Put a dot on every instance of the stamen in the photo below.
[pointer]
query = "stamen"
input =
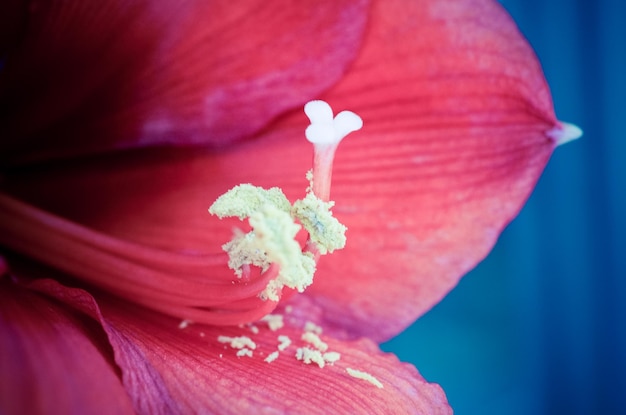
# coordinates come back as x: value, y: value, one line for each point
x: 326, y: 132
x: 274, y: 221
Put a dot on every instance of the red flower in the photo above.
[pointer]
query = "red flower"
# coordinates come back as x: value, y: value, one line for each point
x: 122, y: 122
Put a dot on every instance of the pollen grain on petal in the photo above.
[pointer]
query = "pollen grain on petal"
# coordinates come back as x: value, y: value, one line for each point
x: 274, y: 321
x: 239, y: 342
x: 312, y: 327
x: 358, y: 374
x: 271, y: 357
x: 244, y: 352
x: 315, y: 341
x: 310, y: 356
x: 285, y: 342
x: 331, y: 357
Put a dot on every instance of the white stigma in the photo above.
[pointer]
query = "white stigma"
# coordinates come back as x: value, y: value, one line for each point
x: 325, y: 129
x: 326, y: 132
x: 564, y: 133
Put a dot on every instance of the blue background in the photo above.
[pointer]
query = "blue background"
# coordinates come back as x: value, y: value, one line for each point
x: 540, y: 326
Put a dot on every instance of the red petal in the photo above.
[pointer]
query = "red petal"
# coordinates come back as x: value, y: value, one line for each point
x: 172, y: 370
x: 53, y: 360
x: 453, y: 143
x: 84, y: 79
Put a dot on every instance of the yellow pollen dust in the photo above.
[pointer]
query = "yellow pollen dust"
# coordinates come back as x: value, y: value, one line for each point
x: 285, y: 342
x: 324, y: 229
x: 272, y: 239
x: 274, y: 321
x: 315, y: 341
x: 271, y: 357
x: 239, y: 342
x: 358, y: 374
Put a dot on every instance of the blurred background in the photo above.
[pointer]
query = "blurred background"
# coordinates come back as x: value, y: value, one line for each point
x: 540, y: 326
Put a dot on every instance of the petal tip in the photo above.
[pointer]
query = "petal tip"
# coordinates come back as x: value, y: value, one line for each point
x: 564, y: 133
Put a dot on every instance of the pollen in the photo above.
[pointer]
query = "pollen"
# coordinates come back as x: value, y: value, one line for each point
x: 312, y: 327
x: 275, y: 231
x: 358, y: 374
x: 323, y: 228
x: 239, y: 342
x: 331, y: 357
x: 314, y: 340
x: 243, y: 250
x: 285, y: 342
x: 272, y: 240
x: 244, y: 352
x: 271, y: 357
x: 309, y: 356
x: 243, y: 200
x: 274, y: 321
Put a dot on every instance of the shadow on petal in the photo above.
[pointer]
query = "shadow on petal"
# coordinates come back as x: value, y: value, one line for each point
x: 54, y: 358
x: 86, y: 79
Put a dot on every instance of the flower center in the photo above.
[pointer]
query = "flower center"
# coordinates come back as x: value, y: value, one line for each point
x: 275, y: 222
